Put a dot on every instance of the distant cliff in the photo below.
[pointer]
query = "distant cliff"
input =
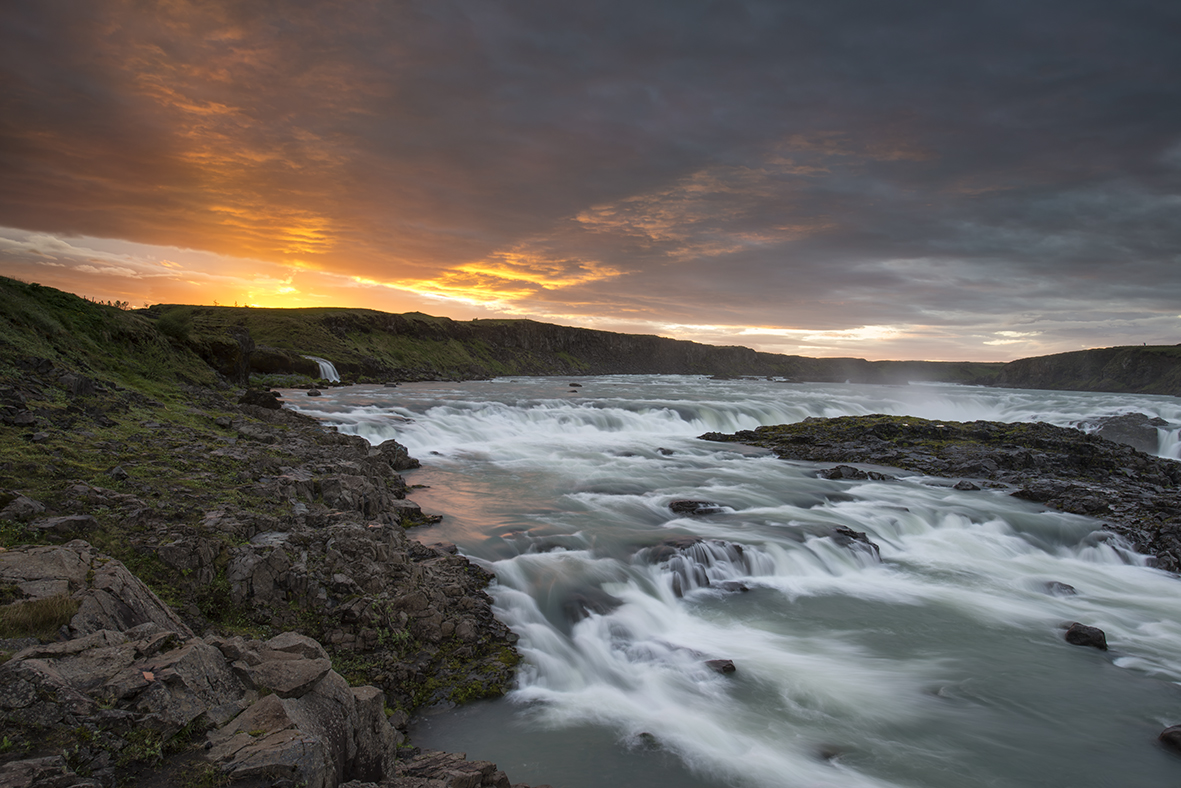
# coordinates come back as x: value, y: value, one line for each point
x: 367, y: 345
x: 1134, y: 369
x: 370, y: 346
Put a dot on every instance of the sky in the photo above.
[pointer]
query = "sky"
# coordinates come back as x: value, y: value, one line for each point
x: 953, y: 181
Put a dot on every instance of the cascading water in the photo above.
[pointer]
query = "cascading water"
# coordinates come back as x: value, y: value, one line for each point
x: 932, y: 657
x: 327, y: 369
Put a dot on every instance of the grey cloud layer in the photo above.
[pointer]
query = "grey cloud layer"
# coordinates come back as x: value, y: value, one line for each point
x: 832, y: 164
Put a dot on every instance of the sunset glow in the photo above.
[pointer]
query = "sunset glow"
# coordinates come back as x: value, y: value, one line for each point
x: 893, y: 184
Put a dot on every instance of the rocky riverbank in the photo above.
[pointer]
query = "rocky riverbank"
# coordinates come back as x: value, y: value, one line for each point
x: 1135, y: 495
x: 284, y: 544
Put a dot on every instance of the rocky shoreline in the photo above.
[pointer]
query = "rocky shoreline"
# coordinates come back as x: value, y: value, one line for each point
x: 281, y: 542
x: 1135, y: 494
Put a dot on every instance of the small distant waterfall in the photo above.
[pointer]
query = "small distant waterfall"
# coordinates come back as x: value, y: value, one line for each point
x: 1170, y: 442
x: 327, y: 370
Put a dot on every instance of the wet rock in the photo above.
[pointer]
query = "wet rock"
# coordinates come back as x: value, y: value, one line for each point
x: 1171, y: 737
x: 1054, y: 588
x: 665, y: 452
x: 314, y: 393
x: 721, y: 665
x: 849, y: 472
x: 695, y: 508
x: 670, y: 547
x: 731, y: 586
x: 1137, y: 495
x: 1138, y: 430
x: 395, y: 455
x: 847, y: 537
x: 1083, y: 635
x: 965, y: 485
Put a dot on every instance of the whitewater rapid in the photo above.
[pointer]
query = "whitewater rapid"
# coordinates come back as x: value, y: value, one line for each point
x: 937, y: 660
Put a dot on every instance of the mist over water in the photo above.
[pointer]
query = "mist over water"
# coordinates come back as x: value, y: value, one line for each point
x: 940, y: 662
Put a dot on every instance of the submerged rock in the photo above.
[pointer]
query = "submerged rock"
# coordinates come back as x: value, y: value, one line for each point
x: 721, y: 665
x: 584, y: 603
x: 1171, y: 737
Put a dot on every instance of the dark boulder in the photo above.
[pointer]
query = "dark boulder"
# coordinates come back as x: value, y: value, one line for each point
x: 721, y: 665
x: 1082, y: 635
x: 1137, y: 430
x: 262, y: 399
x: 394, y: 453
x: 965, y: 485
x: 670, y: 547
x: 314, y: 392
x: 849, y: 472
x: 695, y: 508
x: 1054, y: 588
x: 1171, y: 737
x: 847, y: 537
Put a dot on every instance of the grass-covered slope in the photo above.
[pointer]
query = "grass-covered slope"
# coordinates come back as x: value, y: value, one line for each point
x: 369, y: 345
x: 103, y: 342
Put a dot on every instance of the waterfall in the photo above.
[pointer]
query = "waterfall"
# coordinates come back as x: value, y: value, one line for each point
x: 327, y: 370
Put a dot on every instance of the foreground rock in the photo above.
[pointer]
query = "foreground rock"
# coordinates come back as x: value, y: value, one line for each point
x: 1136, y: 494
x: 250, y: 520
x: 129, y: 685
x: 299, y: 529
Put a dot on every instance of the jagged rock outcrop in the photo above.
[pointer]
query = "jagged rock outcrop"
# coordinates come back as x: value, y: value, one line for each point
x: 132, y: 684
x: 109, y: 596
x: 323, y: 549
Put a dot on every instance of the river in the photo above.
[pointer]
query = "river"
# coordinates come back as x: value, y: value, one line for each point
x: 939, y: 663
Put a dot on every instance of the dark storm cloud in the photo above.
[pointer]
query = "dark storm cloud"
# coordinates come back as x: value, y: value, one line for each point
x: 800, y: 165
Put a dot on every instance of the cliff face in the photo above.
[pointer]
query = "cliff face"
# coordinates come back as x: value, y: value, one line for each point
x: 1143, y: 370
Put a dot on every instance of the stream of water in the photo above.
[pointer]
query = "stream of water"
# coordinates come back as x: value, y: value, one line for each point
x: 939, y: 663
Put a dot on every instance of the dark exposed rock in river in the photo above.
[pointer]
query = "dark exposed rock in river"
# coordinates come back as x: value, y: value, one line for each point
x: 1135, y: 494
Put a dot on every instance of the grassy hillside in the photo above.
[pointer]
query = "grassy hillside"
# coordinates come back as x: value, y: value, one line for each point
x: 369, y: 345
x: 97, y: 340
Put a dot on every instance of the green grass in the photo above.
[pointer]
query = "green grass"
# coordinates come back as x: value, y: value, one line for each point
x: 97, y: 340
